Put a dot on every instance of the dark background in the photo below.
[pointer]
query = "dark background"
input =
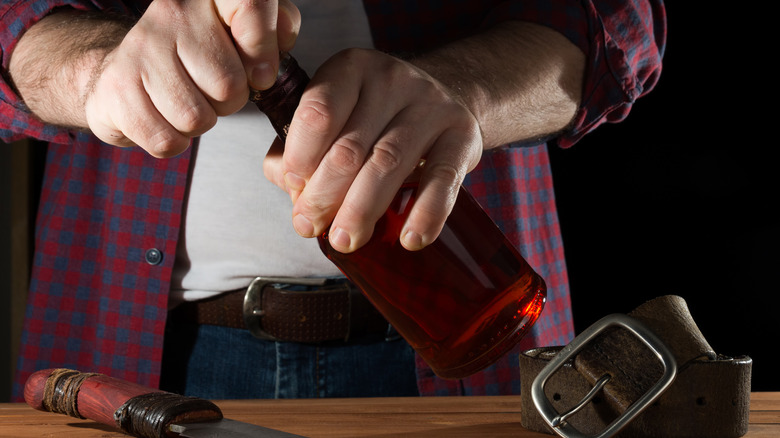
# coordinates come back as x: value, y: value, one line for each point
x: 681, y: 198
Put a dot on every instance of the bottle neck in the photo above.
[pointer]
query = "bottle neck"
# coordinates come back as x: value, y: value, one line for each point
x: 280, y: 101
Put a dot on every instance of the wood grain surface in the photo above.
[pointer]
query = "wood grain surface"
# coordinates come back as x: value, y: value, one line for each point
x: 450, y: 417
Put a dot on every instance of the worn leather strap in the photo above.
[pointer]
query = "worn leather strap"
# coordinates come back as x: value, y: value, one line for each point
x: 337, y: 311
x: 710, y: 396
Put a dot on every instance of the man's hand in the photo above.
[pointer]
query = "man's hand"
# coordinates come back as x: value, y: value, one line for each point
x: 367, y: 119
x: 179, y: 67
x: 363, y: 125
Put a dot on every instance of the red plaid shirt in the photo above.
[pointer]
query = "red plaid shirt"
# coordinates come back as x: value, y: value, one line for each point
x: 109, y: 217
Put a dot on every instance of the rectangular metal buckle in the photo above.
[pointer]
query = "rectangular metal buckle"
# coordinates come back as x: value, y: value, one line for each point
x: 558, y: 421
x: 253, y: 305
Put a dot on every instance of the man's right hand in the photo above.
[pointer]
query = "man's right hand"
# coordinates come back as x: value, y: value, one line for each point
x: 179, y: 67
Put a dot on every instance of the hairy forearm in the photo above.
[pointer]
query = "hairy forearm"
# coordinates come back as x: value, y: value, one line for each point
x: 55, y: 61
x: 520, y: 80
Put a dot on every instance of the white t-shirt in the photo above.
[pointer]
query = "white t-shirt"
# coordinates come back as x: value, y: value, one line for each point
x: 237, y: 225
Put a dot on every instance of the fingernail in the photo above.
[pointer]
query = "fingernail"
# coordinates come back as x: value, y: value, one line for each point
x: 294, y: 185
x: 412, y: 241
x: 293, y: 181
x: 303, y: 226
x: 263, y: 76
x: 339, y: 238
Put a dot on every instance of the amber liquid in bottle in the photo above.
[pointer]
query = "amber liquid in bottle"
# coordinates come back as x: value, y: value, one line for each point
x: 463, y: 301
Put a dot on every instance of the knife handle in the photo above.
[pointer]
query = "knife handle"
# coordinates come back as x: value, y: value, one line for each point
x: 135, y: 409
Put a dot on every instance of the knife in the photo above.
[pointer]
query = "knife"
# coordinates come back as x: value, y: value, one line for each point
x: 134, y: 409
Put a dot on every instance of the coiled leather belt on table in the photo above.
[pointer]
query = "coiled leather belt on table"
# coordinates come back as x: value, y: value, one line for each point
x: 649, y: 373
x: 306, y: 310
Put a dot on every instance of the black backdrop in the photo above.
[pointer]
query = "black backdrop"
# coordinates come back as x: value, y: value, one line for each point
x: 681, y: 197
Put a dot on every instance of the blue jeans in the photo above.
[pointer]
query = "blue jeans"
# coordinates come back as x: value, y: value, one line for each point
x: 226, y: 363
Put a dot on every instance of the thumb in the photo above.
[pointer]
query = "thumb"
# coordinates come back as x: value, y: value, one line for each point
x: 260, y: 29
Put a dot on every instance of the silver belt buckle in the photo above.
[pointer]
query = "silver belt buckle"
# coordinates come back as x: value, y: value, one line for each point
x: 253, y: 305
x: 557, y: 421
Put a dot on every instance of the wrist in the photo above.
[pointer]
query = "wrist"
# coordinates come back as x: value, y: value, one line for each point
x: 58, y: 59
x: 521, y: 81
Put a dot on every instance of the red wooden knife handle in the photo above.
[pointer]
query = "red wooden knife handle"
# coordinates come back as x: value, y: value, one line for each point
x: 132, y: 408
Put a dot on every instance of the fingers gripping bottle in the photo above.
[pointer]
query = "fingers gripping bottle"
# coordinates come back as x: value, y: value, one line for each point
x: 463, y: 301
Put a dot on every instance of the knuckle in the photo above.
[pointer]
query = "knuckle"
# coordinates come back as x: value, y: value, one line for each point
x: 253, y: 6
x: 113, y: 137
x: 346, y: 155
x: 386, y: 156
x: 227, y: 86
x: 314, y: 115
x: 315, y: 207
x: 395, y: 74
x: 196, y: 119
x: 445, y: 173
x: 165, y: 145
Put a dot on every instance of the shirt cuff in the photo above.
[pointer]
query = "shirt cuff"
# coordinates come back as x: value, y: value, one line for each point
x: 623, y: 42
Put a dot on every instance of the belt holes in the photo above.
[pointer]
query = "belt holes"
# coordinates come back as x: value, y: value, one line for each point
x: 338, y: 316
x: 301, y: 317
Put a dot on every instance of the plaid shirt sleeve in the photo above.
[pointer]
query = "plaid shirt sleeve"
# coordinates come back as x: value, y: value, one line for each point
x: 625, y: 44
x: 623, y: 41
x: 16, y: 16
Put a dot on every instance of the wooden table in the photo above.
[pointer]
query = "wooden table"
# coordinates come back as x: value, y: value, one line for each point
x: 449, y: 417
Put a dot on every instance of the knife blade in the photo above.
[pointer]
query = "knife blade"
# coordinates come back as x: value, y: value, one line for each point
x: 134, y: 409
x: 226, y: 428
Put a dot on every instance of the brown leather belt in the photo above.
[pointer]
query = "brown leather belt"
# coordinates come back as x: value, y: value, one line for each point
x: 285, y: 309
x: 653, y: 362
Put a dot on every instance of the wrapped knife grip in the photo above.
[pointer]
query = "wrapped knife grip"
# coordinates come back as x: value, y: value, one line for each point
x: 134, y: 409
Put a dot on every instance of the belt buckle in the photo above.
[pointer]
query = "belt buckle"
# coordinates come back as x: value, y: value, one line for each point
x: 253, y: 309
x: 558, y: 422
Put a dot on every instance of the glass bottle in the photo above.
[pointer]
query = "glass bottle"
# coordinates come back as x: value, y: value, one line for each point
x: 463, y: 301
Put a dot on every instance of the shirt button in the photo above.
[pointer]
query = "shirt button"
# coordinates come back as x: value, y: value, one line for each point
x: 153, y: 256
